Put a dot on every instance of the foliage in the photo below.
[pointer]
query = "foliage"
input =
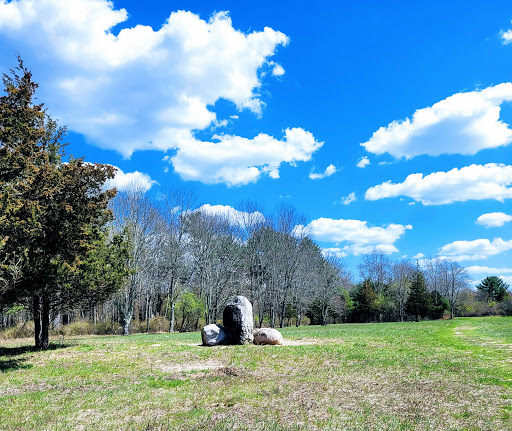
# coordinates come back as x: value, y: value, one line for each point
x: 418, y: 303
x: 53, y: 214
x: 494, y: 288
x: 438, y: 305
x: 189, y: 310
x: 366, y: 302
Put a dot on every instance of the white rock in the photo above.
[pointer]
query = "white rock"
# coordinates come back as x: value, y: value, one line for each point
x: 213, y: 335
x: 268, y: 336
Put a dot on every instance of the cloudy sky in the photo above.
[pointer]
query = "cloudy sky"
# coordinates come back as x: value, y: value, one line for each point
x: 386, y: 123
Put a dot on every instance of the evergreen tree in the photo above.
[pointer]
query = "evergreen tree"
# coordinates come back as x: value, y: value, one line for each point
x: 418, y: 303
x: 494, y: 288
x: 53, y: 215
x: 438, y: 304
x: 366, y: 302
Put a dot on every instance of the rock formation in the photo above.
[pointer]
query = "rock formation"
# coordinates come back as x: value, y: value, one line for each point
x: 268, y: 336
x: 213, y: 335
x: 238, y: 321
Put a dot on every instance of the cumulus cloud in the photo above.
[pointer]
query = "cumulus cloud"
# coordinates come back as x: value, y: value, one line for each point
x: 355, y: 236
x: 235, y: 217
x: 125, y: 181
x: 464, y: 123
x: 347, y: 200
x: 363, y: 162
x: 496, y: 219
x: 474, y: 182
x: 329, y: 170
x: 140, y: 88
x: 474, y: 250
x: 236, y: 161
x: 419, y: 256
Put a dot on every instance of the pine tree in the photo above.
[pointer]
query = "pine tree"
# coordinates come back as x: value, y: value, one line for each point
x: 418, y: 303
x: 53, y: 215
x: 494, y: 288
x: 365, y: 302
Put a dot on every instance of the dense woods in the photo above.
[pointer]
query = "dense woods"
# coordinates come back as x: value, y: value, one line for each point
x: 71, y: 250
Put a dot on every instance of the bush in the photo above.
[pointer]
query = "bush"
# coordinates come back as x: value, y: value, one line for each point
x: 108, y: 329
x: 80, y: 327
x: 157, y: 324
x: 21, y: 330
x: 505, y: 306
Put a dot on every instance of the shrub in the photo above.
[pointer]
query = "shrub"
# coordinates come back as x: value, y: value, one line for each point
x: 21, y: 330
x: 79, y: 327
x: 108, y: 329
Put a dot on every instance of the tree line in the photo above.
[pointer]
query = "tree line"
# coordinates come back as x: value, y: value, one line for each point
x: 73, y: 249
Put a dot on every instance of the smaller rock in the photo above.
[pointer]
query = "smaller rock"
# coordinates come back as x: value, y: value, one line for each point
x: 213, y: 335
x: 268, y: 336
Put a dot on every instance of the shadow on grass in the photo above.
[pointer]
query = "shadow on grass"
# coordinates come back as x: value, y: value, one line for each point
x: 11, y: 358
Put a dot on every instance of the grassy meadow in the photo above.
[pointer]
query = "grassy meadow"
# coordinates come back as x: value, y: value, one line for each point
x: 443, y: 375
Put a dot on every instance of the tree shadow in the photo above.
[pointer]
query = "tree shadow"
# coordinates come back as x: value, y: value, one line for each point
x: 12, y: 358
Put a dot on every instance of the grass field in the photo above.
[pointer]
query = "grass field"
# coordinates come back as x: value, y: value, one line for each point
x: 445, y: 375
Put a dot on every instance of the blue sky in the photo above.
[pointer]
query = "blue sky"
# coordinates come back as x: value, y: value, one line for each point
x: 387, y: 124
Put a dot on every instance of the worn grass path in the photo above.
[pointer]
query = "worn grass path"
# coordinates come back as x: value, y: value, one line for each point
x: 440, y: 375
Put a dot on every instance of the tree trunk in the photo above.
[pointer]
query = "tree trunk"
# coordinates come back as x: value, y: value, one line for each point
x: 148, y: 311
x: 171, y: 304
x: 171, y: 317
x: 36, y: 307
x: 283, y: 312
x: 125, y: 321
x: 45, y: 324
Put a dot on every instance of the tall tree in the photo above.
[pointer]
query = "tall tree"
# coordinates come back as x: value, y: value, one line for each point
x: 453, y: 279
x: 178, y: 204
x: 137, y: 216
x: 418, y: 302
x: 53, y: 215
x: 376, y: 267
x: 402, y: 273
x: 494, y: 288
x: 365, y: 302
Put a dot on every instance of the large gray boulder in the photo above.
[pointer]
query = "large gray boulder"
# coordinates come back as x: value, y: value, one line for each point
x: 213, y: 335
x: 238, y: 321
x: 268, y: 336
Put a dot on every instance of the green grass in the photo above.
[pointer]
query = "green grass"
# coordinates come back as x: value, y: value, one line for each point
x: 445, y: 375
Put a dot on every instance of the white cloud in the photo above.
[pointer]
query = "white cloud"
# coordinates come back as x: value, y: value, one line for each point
x: 329, y: 170
x: 506, y: 36
x: 474, y: 250
x: 419, y: 256
x: 464, y: 123
x: 496, y: 219
x: 124, y: 181
x: 278, y: 70
x: 347, y: 200
x: 235, y: 217
x: 474, y: 182
x: 507, y: 279
x: 140, y: 88
x: 487, y: 270
x: 236, y: 161
x: 363, y: 162
x: 358, y: 236
x: 334, y: 251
